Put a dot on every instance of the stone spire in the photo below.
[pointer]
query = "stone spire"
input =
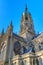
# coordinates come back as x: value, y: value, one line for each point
x: 26, y: 9
x: 26, y: 24
x: 10, y: 28
x: 2, y: 33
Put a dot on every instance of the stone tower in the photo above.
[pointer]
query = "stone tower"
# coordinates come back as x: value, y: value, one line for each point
x: 27, y: 27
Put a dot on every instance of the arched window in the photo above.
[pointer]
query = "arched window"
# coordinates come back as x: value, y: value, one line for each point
x: 40, y: 61
x: 34, y: 61
x: 37, y: 62
x: 23, y: 63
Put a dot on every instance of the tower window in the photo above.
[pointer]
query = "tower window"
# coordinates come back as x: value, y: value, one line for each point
x: 26, y: 18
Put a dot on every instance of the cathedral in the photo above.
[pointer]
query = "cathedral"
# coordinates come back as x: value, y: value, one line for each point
x: 26, y: 48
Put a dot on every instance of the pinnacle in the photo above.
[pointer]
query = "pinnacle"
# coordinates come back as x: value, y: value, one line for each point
x: 11, y: 23
x: 2, y: 31
x: 26, y: 8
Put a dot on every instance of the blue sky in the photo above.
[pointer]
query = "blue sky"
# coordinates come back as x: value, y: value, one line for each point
x: 13, y: 9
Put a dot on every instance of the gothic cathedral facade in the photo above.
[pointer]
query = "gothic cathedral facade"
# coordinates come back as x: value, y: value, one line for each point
x: 23, y: 49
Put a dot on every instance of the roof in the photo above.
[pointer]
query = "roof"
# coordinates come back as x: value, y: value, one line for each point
x: 19, y: 38
x: 38, y: 38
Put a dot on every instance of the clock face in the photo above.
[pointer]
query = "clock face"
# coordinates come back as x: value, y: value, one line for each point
x: 17, y: 47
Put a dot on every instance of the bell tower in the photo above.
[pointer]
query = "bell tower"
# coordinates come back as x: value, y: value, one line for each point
x: 27, y: 27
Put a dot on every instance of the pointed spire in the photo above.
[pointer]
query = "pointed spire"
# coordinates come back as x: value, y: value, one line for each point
x: 26, y: 9
x: 2, y: 32
x: 11, y: 24
x: 10, y: 28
